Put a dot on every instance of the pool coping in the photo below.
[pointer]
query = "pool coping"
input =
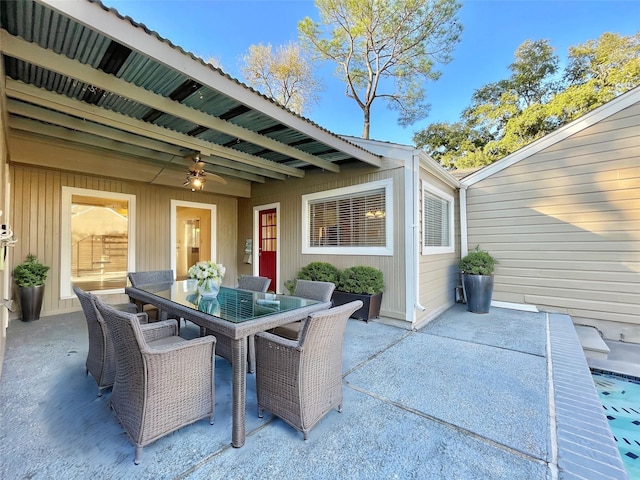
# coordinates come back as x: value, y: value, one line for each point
x: 583, y: 446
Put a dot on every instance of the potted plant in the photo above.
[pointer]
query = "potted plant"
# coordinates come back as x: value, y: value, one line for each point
x: 317, y: 272
x: 29, y: 277
x: 477, y: 279
x: 360, y: 283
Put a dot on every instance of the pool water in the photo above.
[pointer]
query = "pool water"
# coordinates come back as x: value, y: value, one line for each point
x: 620, y: 397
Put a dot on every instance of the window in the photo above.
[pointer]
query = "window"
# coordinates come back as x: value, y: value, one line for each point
x: 437, y: 221
x: 349, y: 221
x: 97, y: 244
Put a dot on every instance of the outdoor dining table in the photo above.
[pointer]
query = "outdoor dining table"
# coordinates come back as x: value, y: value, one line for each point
x: 234, y: 313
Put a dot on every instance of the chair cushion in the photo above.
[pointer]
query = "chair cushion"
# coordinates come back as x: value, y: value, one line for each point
x: 290, y: 330
x: 166, y: 341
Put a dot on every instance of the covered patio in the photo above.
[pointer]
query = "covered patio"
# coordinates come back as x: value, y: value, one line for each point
x: 504, y: 395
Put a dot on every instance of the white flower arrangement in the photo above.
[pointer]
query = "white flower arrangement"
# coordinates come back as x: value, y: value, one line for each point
x: 206, y: 270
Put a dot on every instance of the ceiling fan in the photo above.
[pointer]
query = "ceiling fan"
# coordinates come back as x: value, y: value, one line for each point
x: 196, y: 176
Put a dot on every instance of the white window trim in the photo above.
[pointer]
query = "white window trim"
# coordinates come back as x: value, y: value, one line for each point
x: 65, y: 236
x: 387, y: 250
x: 426, y: 250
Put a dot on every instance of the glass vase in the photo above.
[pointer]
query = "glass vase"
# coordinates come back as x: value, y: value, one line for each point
x: 209, y: 288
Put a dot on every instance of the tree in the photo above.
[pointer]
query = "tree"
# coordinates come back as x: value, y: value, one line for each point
x: 284, y: 75
x: 385, y: 49
x: 507, y: 115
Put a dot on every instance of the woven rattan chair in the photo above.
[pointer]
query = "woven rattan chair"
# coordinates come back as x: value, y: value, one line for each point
x: 101, y: 360
x: 254, y: 283
x: 152, y: 277
x: 301, y: 381
x: 163, y: 382
x: 223, y: 347
x: 313, y: 290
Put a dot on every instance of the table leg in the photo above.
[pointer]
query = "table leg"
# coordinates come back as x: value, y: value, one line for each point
x: 239, y: 390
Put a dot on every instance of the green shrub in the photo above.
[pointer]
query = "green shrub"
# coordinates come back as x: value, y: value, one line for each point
x: 290, y: 285
x: 30, y: 273
x: 319, y: 272
x: 362, y: 280
x: 477, y: 262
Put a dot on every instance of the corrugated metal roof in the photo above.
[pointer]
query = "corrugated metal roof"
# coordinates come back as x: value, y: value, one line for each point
x: 37, y: 23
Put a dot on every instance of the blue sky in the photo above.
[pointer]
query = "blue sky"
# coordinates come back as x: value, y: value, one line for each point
x: 493, y: 30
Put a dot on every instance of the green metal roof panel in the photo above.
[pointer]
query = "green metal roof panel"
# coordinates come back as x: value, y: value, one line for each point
x: 37, y: 23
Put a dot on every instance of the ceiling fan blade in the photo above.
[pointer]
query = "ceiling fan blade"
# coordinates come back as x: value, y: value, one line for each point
x: 215, y: 178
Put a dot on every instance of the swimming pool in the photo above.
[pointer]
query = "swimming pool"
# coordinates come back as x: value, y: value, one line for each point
x: 620, y: 397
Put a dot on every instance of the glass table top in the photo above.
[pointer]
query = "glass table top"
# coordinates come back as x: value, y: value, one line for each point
x: 231, y: 304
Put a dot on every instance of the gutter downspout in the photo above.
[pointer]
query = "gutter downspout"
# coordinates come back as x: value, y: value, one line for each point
x: 416, y: 222
x: 464, y: 243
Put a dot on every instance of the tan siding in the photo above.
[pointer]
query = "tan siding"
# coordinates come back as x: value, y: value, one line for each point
x: 438, y: 274
x: 289, y: 194
x: 565, y: 223
x: 36, y: 196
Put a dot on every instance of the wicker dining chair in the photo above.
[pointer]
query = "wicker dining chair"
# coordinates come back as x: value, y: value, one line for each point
x: 152, y: 277
x: 301, y: 381
x: 101, y: 360
x: 254, y: 283
x: 313, y: 290
x: 163, y: 382
x: 223, y: 349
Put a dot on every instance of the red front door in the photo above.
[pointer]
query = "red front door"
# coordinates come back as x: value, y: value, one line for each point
x: 267, y: 245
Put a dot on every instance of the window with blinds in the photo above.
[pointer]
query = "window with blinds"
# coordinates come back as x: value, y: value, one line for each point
x: 352, y: 220
x: 437, y: 221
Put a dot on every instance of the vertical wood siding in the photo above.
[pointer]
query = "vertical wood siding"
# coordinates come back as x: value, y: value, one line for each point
x: 36, y: 197
x: 4, y: 219
x: 438, y: 274
x: 565, y: 223
x: 289, y: 194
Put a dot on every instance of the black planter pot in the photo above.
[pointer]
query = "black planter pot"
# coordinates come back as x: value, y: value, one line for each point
x: 31, y: 302
x: 478, y: 290
x: 370, y: 304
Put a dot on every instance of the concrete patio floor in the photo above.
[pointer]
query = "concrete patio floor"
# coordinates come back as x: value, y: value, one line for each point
x: 467, y: 397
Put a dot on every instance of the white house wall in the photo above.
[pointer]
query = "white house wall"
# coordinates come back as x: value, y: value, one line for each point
x: 564, y: 224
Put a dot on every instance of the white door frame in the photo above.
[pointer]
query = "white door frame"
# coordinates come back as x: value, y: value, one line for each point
x: 256, y: 237
x: 174, y: 209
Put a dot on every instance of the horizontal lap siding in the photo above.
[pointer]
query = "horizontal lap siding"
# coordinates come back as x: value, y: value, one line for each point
x: 36, y: 201
x: 289, y: 195
x: 565, y: 223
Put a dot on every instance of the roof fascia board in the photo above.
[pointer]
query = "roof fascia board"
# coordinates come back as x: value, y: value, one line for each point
x: 405, y: 153
x: 587, y: 120
x: 434, y: 168
x: 96, y: 17
x: 38, y: 96
x: 32, y: 53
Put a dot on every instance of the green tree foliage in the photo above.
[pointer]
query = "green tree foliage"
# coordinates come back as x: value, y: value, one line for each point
x: 385, y: 49
x: 535, y: 100
x: 286, y: 75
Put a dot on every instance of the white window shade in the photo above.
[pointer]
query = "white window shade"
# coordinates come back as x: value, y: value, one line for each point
x: 437, y: 221
x: 352, y: 220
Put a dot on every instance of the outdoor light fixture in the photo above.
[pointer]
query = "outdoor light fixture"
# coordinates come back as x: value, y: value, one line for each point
x: 196, y: 181
x: 195, y: 177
